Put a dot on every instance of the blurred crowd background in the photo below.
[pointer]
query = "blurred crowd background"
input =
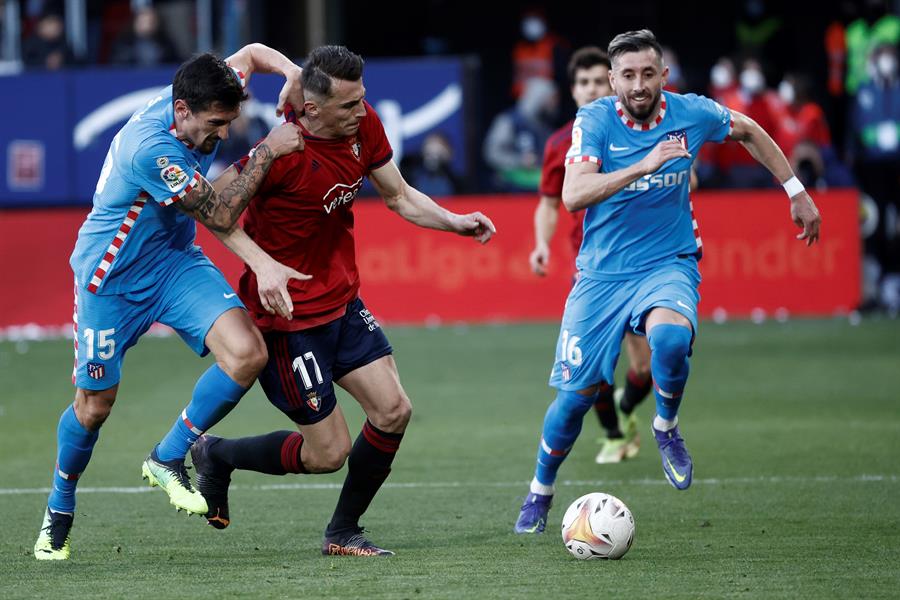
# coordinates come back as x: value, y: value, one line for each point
x: 821, y: 77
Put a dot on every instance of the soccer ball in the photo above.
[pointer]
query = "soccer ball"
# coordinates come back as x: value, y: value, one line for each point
x: 598, y: 525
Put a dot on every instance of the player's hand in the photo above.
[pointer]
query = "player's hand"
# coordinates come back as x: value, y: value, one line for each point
x: 805, y: 214
x: 661, y: 154
x: 272, y: 283
x: 284, y: 139
x: 539, y: 258
x: 474, y: 225
x: 291, y: 92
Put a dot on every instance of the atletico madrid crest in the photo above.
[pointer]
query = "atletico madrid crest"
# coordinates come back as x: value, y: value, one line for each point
x: 96, y: 370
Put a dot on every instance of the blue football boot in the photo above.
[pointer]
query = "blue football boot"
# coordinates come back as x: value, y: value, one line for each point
x: 676, y: 461
x: 533, y: 516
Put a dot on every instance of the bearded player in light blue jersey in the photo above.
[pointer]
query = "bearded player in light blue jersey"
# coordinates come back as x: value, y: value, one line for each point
x: 629, y: 165
x: 135, y: 263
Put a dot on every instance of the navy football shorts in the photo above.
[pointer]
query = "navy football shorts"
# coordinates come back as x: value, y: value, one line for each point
x: 303, y: 365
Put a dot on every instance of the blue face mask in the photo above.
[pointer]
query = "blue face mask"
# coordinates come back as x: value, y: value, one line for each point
x: 533, y: 28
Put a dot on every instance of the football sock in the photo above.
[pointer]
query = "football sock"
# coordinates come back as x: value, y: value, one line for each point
x: 368, y: 466
x: 661, y: 424
x: 562, y: 424
x: 74, y: 447
x: 276, y: 453
x: 637, y: 388
x: 606, y: 412
x: 537, y: 487
x: 670, y: 346
x: 214, y: 396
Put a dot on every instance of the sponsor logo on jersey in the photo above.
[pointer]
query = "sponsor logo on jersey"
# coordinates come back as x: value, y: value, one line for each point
x: 96, y: 370
x: 575, y: 148
x: 312, y: 400
x: 657, y: 181
x: 679, y: 136
x: 162, y: 162
x: 340, y: 194
x: 174, y: 177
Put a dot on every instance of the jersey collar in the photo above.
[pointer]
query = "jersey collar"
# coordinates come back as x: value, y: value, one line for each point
x: 643, y: 126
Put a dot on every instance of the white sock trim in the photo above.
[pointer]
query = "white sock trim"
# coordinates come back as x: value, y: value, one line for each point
x: 539, y: 488
x: 661, y: 424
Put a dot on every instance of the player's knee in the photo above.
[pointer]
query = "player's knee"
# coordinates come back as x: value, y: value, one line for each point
x: 247, y: 358
x: 333, y: 458
x: 393, y: 416
x: 92, y: 407
x: 670, y: 344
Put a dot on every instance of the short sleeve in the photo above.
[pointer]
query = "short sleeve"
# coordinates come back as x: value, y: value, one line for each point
x: 377, y: 140
x: 161, y: 170
x: 553, y: 171
x: 241, y: 77
x: 717, y: 119
x: 587, y: 138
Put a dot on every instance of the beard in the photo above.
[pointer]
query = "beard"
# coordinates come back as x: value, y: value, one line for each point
x: 641, y: 113
x: 208, y: 145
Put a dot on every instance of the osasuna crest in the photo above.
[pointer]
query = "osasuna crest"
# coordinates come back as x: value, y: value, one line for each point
x: 356, y: 147
x: 312, y: 400
x: 679, y: 136
x: 96, y: 370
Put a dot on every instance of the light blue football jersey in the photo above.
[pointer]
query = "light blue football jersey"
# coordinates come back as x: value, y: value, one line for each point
x: 650, y: 221
x: 133, y: 231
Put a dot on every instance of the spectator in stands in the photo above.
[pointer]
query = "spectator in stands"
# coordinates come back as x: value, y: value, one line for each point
x: 515, y: 140
x: 145, y: 44
x: 431, y: 171
x: 539, y: 54
x: 875, y: 26
x: 722, y: 79
x: 46, y: 48
x: 754, y: 99
x: 875, y: 124
x: 675, y: 82
x: 806, y: 138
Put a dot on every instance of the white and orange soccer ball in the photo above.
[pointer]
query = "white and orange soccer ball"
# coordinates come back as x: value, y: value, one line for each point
x: 598, y: 525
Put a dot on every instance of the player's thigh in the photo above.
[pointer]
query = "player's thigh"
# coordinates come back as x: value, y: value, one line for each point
x: 590, y: 335
x: 192, y: 298
x: 326, y: 443
x: 638, y: 351
x: 672, y: 288
x: 298, y: 375
x: 366, y: 369
x: 237, y: 345
x: 105, y: 327
x: 376, y: 386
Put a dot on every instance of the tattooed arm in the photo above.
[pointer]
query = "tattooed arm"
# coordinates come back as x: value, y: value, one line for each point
x: 220, y: 209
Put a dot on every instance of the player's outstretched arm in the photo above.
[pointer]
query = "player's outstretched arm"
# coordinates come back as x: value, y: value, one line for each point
x: 584, y: 186
x: 546, y: 216
x: 220, y: 209
x: 419, y: 209
x: 257, y: 58
x: 763, y: 148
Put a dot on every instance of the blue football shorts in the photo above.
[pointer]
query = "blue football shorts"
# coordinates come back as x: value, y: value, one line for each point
x: 188, y: 297
x: 599, y: 312
x: 303, y: 365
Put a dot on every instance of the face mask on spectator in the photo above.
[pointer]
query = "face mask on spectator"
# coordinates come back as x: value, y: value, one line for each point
x: 886, y: 64
x: 786, y: 92
x: 533, y: 28
x: 720, y: 76
x: 752, y: 81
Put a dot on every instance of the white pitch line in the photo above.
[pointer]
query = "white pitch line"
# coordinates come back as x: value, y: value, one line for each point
x: 491, y: 484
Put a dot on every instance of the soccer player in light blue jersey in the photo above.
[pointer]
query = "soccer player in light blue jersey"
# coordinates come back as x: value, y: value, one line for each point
x: 135, y: 263
x: 629, y: 166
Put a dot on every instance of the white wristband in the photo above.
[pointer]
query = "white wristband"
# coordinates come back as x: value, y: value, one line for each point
x: 793, y: 187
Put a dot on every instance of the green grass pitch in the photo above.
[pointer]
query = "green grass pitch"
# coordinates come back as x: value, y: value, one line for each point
x: 794, y: 429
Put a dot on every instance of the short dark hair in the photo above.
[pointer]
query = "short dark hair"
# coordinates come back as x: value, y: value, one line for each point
x: 205, y: 80
x: 633, y: 41
x: 327, y: 62
x: 585, y: 58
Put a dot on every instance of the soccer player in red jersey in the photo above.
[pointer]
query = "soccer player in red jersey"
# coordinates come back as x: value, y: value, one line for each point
x: 318, y: 331
x: 589, y: 76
